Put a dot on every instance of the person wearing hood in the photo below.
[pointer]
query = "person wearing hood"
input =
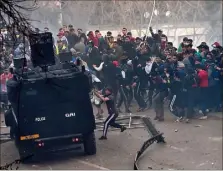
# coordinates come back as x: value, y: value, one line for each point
x: 203, y: 90
x: 92, y: 38
x: 3, y: 80
x: 102, y: 43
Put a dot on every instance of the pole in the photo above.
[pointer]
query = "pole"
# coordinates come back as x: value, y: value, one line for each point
x: 61, y: 14
x: 154, y: 4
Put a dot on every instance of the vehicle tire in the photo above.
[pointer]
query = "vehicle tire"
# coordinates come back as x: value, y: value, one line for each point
x: 90, y: 144
x: 22, y: 153
x: 27, y: 157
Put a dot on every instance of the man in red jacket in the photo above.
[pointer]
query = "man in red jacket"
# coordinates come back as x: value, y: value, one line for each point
x: 93, y: 38
x: 203, y: 92
x: 3, y: 79
x: 3, y: 88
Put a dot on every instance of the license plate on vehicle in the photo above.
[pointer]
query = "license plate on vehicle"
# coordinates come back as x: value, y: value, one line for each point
x: 29, y: 137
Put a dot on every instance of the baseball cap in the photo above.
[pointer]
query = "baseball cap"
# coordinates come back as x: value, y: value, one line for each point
x: 216, y: 45
x: 202, y: 45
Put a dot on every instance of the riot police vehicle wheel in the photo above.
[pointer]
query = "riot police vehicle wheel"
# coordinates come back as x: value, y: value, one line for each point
x: 23, y: 154
x: 90, y: 144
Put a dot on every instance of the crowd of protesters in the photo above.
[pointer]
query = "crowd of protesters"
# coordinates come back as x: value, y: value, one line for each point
x: 148, y: 69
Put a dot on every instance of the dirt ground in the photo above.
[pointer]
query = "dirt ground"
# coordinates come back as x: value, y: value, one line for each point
x: 195, y: 145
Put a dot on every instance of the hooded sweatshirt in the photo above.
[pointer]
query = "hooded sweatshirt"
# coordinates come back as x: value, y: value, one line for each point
x: 94, y: 39
x: 203, y: 77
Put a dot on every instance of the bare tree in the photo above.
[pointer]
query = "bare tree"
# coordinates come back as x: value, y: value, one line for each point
x: 14, y: 15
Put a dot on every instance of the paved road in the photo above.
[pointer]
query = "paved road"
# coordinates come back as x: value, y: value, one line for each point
x: 196, y: 145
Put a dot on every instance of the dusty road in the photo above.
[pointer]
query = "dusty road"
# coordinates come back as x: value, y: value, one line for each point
x: 196, y: 145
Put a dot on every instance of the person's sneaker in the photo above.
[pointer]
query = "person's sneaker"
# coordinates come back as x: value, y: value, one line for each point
x: 123, y: 129
x: 200, y: 112
x: 103, y: 138
x: 160, y: 119
x: 99, y: 116
x: 144, y: 109
x: 156, y: 118
x: 217, y: 109
x: 128, y: 111
x: 179, y: 119
x: 119, y: 111
x: 187, y: 120
x: 203, y: 118
x: 150, y: 106
x: 139, y: 109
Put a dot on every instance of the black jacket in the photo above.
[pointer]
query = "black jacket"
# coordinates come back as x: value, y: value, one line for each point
x: 129, y: 50
x: 72, y: 40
